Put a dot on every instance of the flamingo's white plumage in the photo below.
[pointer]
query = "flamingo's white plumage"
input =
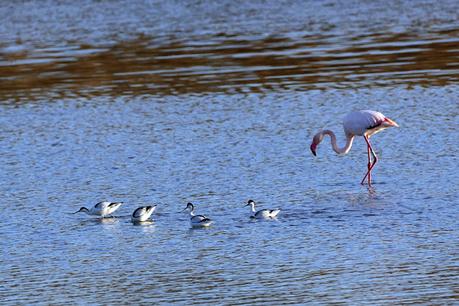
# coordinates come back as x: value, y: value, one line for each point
x: 361, y: 123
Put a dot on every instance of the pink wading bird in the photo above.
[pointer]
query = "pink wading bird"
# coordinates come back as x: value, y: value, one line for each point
x: 362, y: 123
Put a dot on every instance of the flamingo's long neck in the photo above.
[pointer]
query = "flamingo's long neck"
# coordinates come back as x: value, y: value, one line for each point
x: 347, y: 147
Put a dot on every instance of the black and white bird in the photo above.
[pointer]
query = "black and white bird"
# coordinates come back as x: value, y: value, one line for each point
x: 197, y: 220
x: 142, y: 213
x: 101, y: 209
x: 263, y: 213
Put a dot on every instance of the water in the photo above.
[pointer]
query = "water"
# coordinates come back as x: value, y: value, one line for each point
x: 168, y: 102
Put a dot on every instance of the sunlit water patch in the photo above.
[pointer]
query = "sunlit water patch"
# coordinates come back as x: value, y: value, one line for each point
x: 120, y: 48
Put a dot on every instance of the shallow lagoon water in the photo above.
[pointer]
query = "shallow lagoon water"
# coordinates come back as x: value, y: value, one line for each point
x: 335, y: 241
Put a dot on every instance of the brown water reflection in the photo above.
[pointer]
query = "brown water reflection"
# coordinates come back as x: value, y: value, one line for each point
x: 228, y: 64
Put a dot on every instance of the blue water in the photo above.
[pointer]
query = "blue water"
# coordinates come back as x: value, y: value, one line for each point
x: 334, y: 242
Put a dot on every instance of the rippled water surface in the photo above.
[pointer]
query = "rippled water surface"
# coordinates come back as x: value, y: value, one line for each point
x: 167, y: 102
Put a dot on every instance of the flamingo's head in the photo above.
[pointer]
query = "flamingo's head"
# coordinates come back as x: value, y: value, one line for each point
x: 315, y: 142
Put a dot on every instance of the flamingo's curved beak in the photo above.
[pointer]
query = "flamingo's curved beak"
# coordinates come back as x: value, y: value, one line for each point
x: 313, y: 149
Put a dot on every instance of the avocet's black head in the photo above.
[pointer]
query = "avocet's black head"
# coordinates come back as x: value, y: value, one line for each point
x: 189, y: 206
x: 82, y: 209
x: 250, y: 202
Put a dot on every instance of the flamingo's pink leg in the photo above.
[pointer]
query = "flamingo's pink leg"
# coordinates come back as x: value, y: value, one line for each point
x: 370, y: 166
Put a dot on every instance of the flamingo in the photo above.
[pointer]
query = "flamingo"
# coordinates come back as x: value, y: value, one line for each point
x: 364, y: 123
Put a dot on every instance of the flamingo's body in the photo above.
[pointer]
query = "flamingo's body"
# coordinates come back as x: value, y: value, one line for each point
x: 101, y: 209
x: 361, y: 123
x: 143, y: 213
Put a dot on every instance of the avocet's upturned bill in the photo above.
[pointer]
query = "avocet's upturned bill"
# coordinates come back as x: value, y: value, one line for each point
x: 101, y: 209
x: 197, y: 220
x: 263, y: 213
